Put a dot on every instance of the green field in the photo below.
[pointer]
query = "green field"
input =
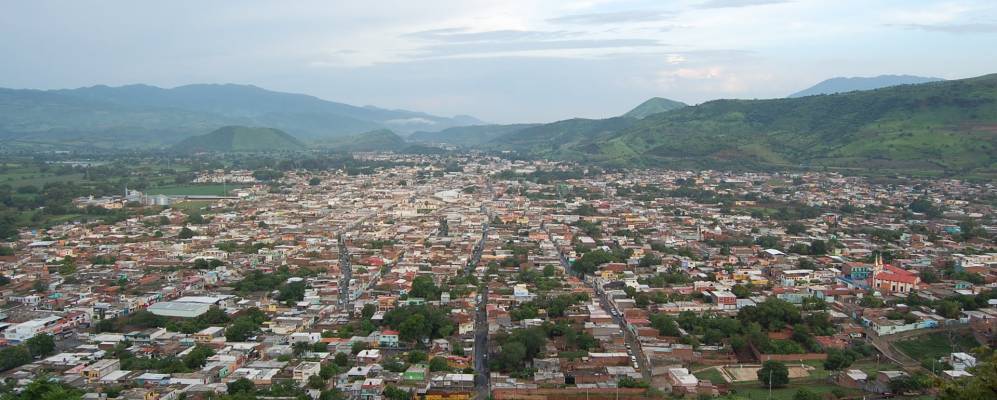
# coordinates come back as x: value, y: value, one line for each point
x: 212, y: 189
x: 191, y: 206
x: 711, y: 375
x: 936, y: 345
x: 756, y: 391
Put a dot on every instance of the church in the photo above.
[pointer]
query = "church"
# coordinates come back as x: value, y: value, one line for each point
x: 888, y: 278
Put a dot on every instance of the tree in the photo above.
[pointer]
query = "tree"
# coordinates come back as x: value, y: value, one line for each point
x: 948, y: 309
x: 357, y: 347
x: 665, y: 325
x: 314, y: 182
x: 40, y: 345
x: 806, y: 394
x: 341, y: 359
x: 910, y: 383
x: 413, y: 328
x: 195, y: 219
x: 423, y: 286
x: 240, y: 330
x: 416, y: 356
x: 67, y: 266
x: 438, y: 364
x: 818, y: 247
x: 241, y: 385
x: 294, y: 291
x: 795, y: 228
x: 328, y: 371
x: 393, y: 393
x: 838, y: 360
x: 649, y: 260
x: 368, y: 311
x: 185, y: 233
x: 774, y: 374
x: 198, y: 356
x: 741, y: 291
x: 316, y: 382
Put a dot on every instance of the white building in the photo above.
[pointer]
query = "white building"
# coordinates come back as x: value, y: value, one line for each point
x: 28, y: 329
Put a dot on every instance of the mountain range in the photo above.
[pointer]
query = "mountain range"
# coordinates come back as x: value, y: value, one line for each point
x: 843, y: 84
x: 142, y: 115
x: 939, y: 126
x: 935, y: 127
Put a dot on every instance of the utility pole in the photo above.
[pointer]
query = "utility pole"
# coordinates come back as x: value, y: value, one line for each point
x: 770, y: 383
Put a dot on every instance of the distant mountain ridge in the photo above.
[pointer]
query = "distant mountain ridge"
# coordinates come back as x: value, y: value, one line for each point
x: 376, y: 140
x: 144, y: 116
x: 468, y: 135
x: 654, y: 105
x: 844, y: 84
x: 240, y: 139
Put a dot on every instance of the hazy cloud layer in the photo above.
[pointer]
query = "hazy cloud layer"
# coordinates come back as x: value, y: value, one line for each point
x: 507, y: 61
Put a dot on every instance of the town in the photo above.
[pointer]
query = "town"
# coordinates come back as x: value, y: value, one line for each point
x: 450, y: 277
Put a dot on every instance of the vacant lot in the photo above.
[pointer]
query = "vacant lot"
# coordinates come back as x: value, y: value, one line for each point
x: 936, y: 345
x: 206, y: 189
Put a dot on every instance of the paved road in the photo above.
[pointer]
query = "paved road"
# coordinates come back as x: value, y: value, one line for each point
x: 346, y: 272
x: 482, y: 378
x: 630, y: 337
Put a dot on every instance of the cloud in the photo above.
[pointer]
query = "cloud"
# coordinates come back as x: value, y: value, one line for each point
x: 613, y: 17
x: 956, y: 28
x: 459, y: 35
x: 738, y: 3
x: 507, y: 48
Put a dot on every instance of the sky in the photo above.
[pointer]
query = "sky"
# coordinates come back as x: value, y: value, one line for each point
x: 501, y: 61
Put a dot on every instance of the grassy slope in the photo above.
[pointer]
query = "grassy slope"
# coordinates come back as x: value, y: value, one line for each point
x: 241, y: 139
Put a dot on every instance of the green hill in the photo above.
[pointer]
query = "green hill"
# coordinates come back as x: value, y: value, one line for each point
x: 654, y: 105
x: 947, y: 126
x: 377, y: 140
x: 240, y: 139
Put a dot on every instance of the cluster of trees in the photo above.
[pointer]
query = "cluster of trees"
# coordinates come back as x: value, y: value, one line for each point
x: 554, y: 306
x: 143, y: 319
x: 418, y: 323
x: 750, y: 327
x: 244, y: 389
x: 924, y: 205
x: 518, y: 349
x: 838, y: 360
x: 15, y: 356
x: 192, y: 361
x: 258, y: 281
x: 670, y: 277
x: 590, y: 261
x: 424, y: 287
x: 245, y: 325
x: 44, y: 388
